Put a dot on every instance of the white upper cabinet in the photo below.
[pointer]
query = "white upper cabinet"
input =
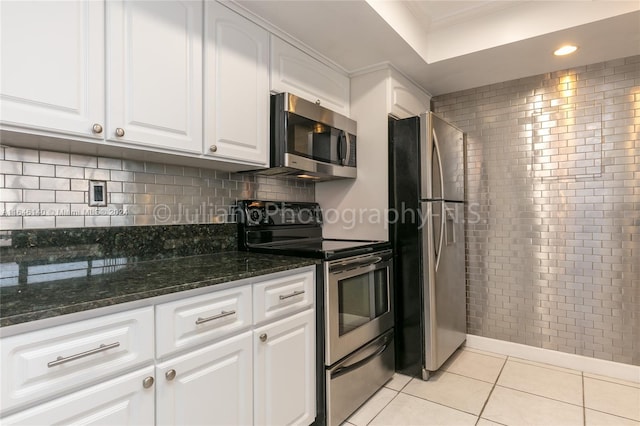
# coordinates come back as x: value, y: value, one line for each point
x: 294, y: 71
x: 52, y: 67
x: 405, y: 99
x: 236, y: 87
x: 154, y: 75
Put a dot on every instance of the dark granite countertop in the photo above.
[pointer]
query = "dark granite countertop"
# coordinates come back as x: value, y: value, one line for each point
x: 80, y: 284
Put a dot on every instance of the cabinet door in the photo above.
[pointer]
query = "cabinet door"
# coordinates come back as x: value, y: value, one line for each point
x: 236, y: 87
x: 294, y: 71
x: 121, y: 401
x: 209, y: 386
x: 404, y: 98
x: 52, y: 68
x: 154, y: 78
x: 285, y: 375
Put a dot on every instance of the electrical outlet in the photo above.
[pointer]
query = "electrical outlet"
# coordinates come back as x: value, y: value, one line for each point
x: 97, y: 193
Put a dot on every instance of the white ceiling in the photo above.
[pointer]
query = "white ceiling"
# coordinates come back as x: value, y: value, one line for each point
x: 446, y: 46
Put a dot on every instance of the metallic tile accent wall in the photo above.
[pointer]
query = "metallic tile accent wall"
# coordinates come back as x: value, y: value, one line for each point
x: 553, y: 191
x: 43, y: 189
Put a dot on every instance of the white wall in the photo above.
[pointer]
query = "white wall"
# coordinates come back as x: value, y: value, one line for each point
x: 360, y: 205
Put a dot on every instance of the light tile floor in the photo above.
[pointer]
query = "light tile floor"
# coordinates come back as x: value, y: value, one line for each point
x: 487, y: 389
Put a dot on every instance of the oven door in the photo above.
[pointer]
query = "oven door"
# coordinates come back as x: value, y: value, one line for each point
x: 359, y: 302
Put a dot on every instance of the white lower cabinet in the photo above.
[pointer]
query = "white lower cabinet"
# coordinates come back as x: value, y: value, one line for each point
x: 121, y: 401
x: 42, y: 364
x: 284, y: 371
x: 215, y: 365
x: 209, y: 386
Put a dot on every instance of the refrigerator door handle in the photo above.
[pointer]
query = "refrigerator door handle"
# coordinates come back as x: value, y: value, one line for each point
x: 442, y: 223
x: 437, y: 149
x: 436, y: 145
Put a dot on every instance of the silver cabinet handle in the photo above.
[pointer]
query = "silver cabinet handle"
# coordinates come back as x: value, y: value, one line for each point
x: 222, y: 314
x: 213, y: 148
x: 294, y: 294
x: 263, y: 337
x: 147, y: 382
x: 101, y: 348
x: 170, y: 375
x: 317, y: 101
x: 97, y: 129
x: 119, y: 132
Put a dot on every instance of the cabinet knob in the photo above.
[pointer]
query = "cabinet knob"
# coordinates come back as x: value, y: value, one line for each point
x: 213, y: 148
x: 170, y: 375
x: 119, y: 132
x: 263, y: 337
x: 148, y: 382
x: 97, y: 129
x: 317, y: 101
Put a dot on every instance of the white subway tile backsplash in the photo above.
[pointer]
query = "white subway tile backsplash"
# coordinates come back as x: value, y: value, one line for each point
x: 70, y: 221
x: 11, y: 167
x: 96, y: 174
x: 83, y: 161
x: 26, y: 182
x: 56, y: 189
x: 48, y: 157
x: 70, y: 197
x: 21, y: 154
x: 39, y: 196
x: 8, y: 223
x: 70, y: 172
x: 109, y: 163
x: 36, y: 222
x: 60, y: 184
x: 36, y: 169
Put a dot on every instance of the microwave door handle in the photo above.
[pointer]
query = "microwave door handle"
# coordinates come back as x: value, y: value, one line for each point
x: 343, y: 146
x: 347, y: 157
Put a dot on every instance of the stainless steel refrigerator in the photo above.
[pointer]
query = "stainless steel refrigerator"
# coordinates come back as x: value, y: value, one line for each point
x: 426, y: 191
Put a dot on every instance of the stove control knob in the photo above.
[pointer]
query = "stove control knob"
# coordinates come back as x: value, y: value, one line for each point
x: 255, y: 216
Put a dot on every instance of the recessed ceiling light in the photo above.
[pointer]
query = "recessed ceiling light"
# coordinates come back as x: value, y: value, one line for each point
x: 565, y: 50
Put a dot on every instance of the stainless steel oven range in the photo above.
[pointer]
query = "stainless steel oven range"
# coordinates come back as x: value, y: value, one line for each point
x: 354, y: 300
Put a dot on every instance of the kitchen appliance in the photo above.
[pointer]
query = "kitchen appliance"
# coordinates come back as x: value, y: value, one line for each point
x: 354, y: 300
x: 426, y: 178
x: 309, y: 141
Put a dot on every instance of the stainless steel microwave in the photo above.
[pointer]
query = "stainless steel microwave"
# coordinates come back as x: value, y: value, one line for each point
x: 310, y: 141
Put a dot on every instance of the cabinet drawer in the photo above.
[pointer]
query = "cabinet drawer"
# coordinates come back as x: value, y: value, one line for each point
x: 200, y: 319
x: 121, y: 401
x: 281, y: 296
x: 42, y: 363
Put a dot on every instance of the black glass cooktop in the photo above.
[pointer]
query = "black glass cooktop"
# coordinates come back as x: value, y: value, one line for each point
x: 327, y: 249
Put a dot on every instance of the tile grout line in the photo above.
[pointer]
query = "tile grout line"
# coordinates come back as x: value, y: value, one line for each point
x: 385, y: 406
x: 541, y: 396
x: 492, y: 389
x: 436, y: 402
x: 584, y: 408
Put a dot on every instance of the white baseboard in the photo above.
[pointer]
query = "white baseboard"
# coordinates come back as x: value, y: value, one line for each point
x: 602, y: 367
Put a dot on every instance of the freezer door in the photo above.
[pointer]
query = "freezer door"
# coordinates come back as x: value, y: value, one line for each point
x: 444, y: 280
x: 442, y: 157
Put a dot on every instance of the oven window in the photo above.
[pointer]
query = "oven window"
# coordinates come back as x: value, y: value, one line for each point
x: 362, y: 299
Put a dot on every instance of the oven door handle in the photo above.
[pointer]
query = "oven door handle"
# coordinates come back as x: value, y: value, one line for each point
x: 355, y: 265
x: 348, y: 368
